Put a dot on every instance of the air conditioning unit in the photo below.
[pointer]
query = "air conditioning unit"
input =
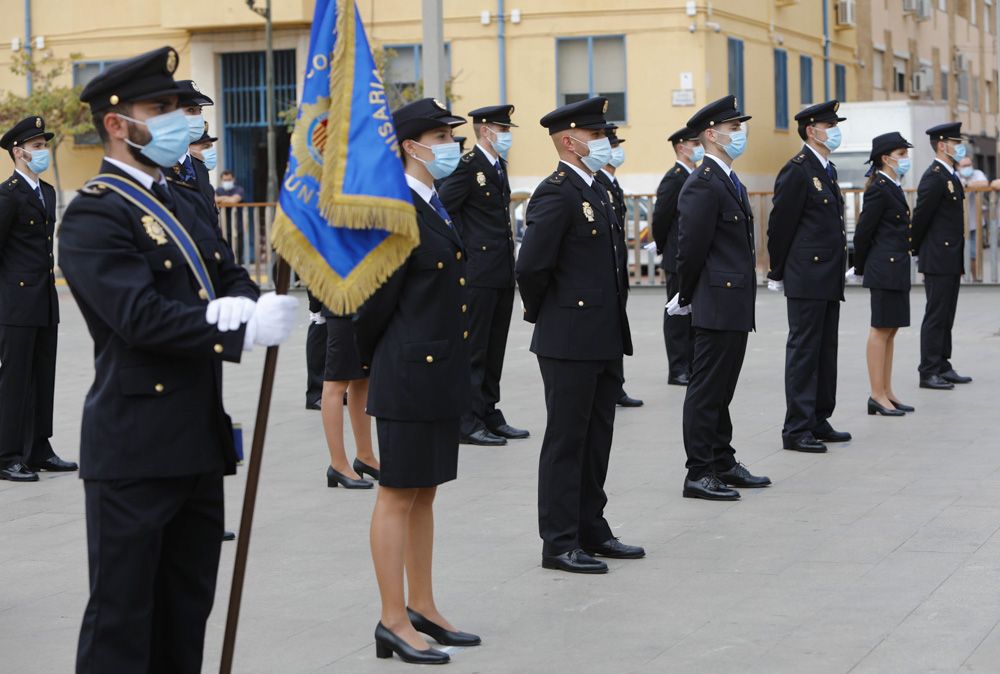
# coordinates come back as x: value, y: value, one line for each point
x: 909, y: 5
x: 923, y: 81
x: 924, y: 10
x: 845, y: 12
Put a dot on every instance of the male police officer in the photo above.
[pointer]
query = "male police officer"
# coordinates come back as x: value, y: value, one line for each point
x: 155, y: 439
x: 677, y: 335
x: 718, y: 285
x: 938, y: 239
x: 477, y: 195
x: 616, y: 195
x: 574, y: 288
x: 807, y: 244
x: 29, y: 308
x: 190, y: 169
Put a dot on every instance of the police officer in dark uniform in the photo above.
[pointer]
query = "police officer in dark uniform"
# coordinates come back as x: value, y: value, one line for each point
x: 29, y: 308
x: 939, y: 241
x: 807, y: 244
x: 191, y: 170
x: 574, y: 289
x: 677, y: 335
x: 616, y: 195
x: 718, y: 285
x: 155, y: 439
x: 477, y: 195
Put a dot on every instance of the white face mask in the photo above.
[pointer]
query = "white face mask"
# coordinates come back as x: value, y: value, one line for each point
x: 228, y: 184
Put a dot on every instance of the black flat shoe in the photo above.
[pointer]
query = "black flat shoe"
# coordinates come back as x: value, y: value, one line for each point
x: 361, y: 468
x: 626, y: 401
x: 54, y: 464
x: 832, y: 435
x: 679, y: 380
x: 955, y: 378
x: 804, y: 443
x: 937, y: 383
x: 615, y: 549
x: 313, y: 405
x: 875, y: 408
x: 387, y: 643
x: 901, y: 407
x: 484, y: 438
x: 509, y: 432
x: 739, y: 476
x: 709, y: 488
x: 574, y: 561
x: 228, y: 536
x: 440, y: 634
x: 18, y: 472
x: 333, y: 478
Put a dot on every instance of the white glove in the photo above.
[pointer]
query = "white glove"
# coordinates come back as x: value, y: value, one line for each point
x: 851, y: 276
x: 317, y: 318
x: 273, y: 321
x: 776, y: 286
x: 229, y: 313
x: 675, y: 309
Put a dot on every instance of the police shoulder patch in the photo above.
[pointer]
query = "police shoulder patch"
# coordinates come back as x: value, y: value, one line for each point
x: 94, y: 190
x: 10, y: 183
x: 557, y: 178
x: 937, y: 168
x: 678, y: 170
x: 467, y: 157
x: 799, y: 158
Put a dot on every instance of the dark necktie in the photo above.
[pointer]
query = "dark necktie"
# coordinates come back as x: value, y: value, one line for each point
x: 439, y: 207
x: 831, y: 171
x: 38, y: 193
x: 499, y: 169
x: 187, y: 170
x: 739, y: 186
x: 162, y: 192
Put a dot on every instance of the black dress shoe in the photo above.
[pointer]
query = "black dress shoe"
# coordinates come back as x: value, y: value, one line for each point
x: 679, y: 380
x: 955, y: 378
x: 936, y: 382
x: 387, y: 643
x: 574, y: 561
x: 615, y: 549
x: 901, y: 407
x: 739, y: 476
x: 440, y: 634
x: 483, y: 437
x: 626, y: 401
x: 313, y: 404
x: 54, y: 464
x: 709, y: 487
x: 831, y: 435
x: 334, y: 478
x: 804, y: 443
x: 508, y: 431
x: 361, y: 468
x: 18, y: 472
x: 228, y: 536
x: 875, y: 408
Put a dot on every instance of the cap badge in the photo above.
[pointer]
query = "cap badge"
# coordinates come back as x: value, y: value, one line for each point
x: 195, y: 87
x: 439, y: 104
x: 38, y: 122
x: 588, y: 211
x: 481, y: 179
x: 114, y: 99
x: 605, y: 107
x: 154, y: 230
x: 171, y: 61
x: 817, y: 184
x: 836, y: 106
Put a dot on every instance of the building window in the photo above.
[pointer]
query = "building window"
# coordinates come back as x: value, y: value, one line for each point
x: 840, y: 82
x: 962, y: 85
x: 944, y: 85
x: 899, y: 75
x: 83, y: 72
x: 805, y: 80
x: 592, y: 66
x: 878, y: 69
x: 735, y: 50
x: 780, y: 89
x: 404, y: 71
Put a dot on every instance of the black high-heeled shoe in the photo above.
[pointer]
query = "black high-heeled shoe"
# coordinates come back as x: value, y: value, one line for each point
x: 875, y: 408
x: 360, y: 467
x: 387, y: 643
x: 334, y: 478
x: 440, y: 634
x: 901, y: 407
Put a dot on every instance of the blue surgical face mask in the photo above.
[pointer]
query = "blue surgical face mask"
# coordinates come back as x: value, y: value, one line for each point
x: 617, y: 156
x: 502, y: 140
x: 600, y: 154
x: 697, y: 154
x: 446, y: 157
x: 210, y: 157
x: 966, y: 171
x: 39, y: 161
x: 902, y: 167
x: 960, y: 152
x: 196, y: 126
x: 170, y: 138
x: 737, y: 144
x: 833, y: 138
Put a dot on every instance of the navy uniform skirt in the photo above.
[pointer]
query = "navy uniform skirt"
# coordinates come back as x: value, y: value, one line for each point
x: 416, y: 454
x: 890, y: 308
x: 342, y: 360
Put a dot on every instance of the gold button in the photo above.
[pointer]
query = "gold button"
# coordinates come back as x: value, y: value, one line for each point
x: 892, y: 259
x: 202, y: 295
x: 31, y: 222
x: 816, y: 258
x: 458, y: 255
x: 429, y: 359
x: 465, y: 335
x: 593, y: 232
x: 440, y: 265
x: 826, y: 201
x: 461, y: 281
x: 217, y: 348
x: 946, y: 243
x: 580, y: 303
x: 50, y: 254
x: 729, y: 284
x: 168, y: 264
x: 465, y: 307
x: 484, y: 247
x: 735, y: 218
x: 218, y: 256
x: 487, y: 194
x: 49, y: 238
x: 897, y: 216
x: 909, y: 238
x: 20, y: 283
x: 158, y: 388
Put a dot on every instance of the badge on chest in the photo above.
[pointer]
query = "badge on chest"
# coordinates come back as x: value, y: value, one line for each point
x: 481, y: 179
x: 817, y: 184
x: 588, y: 211
x: 154, y: 230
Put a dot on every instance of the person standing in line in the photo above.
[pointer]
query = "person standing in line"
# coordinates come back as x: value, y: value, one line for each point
x: 807, y: 245
x: 315, y: 354
x: 882, y: 241
x: 972, y: 177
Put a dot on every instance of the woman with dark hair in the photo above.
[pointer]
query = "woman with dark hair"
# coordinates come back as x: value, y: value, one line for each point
x: 882, y: 243
x: 414, y: 332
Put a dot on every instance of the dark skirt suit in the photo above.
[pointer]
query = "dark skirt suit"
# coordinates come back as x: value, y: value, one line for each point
x: 882, y: 243
x: 413, y: 334
x: 343, y: 363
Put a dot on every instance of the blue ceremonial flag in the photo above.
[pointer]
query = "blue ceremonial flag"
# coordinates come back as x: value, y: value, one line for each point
x: 345, y: 221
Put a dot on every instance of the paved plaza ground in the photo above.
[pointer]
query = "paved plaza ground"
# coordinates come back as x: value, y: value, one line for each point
x: 880, y: 556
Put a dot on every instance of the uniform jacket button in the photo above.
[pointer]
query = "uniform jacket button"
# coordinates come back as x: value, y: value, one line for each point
x: 465, y: 335
x: 218, y: 256
x: 202, y: 295
x: 461, y: 281
x: 429, y: 359
x: 892, y: 259
x: 816, y: 258
x: 168, y: 264
x: 159, y: 388
x: 465, y: 307
x: 593, y: 232
x: 20, y: 283
x: 458, y: 255
x: 440, y: 265
x: 217, y: 348
x: 729, y: 284
x: 580, y: 303
x: 484, y: 247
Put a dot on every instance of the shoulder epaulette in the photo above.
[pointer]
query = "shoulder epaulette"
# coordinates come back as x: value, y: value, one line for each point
x: 705, y: 172
x: 557, y: 178
x: 937, y: 167
x: 678, y: 170
x: 11, y: 183
x: 881, y: 181
x: 94, y: 190
x: 467, y: 157
x: 799, y: 158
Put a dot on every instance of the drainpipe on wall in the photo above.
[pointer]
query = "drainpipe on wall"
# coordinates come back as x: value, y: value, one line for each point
x: 826, y: 50
x: 27, y: 39
x: 502, y: 44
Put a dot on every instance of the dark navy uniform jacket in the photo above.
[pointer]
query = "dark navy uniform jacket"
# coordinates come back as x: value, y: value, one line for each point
x: 155, y: 407
x: 570, y: 274
x: 716, y: 263
x: 806, y: 237
x: 665, y: 215
x: 27, y: 279
x: 478, y: 201
x: 883, y: 237
x: 939, y: 222
x: 413, y: 332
